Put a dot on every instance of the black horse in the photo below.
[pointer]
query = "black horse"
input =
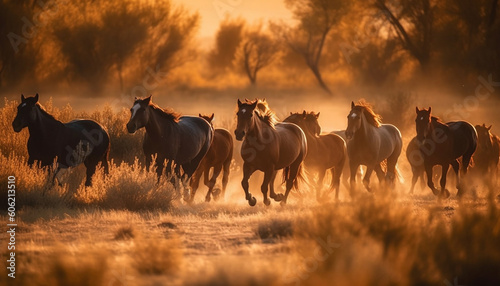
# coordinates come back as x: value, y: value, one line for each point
x: 73, y: 143
x: 182, y: 139
x: 443, y: 144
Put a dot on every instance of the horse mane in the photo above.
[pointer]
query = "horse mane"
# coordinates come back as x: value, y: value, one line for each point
x: 44, y: 112
x: 370, y: 115
x: 166, y: 113
x: 269, y: 118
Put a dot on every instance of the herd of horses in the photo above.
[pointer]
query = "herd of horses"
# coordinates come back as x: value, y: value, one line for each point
x: 189, y: 147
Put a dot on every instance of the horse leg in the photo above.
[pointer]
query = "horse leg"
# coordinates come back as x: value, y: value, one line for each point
x: 319, y: 184
x: 366, y: 179
x: 272, y: 194
x: 248, y: 170
x: 195, y: 182
x: 444, y: 192
x: 353, y: 172
x: 292, y: 177
x: 91, y: 166
x: 211, y: 183
x: 456, y: 168
x: 430, y: 184
x: 225, y: 176
x: 268, y: 176
x: 414, y: 179
x: 381, y: 175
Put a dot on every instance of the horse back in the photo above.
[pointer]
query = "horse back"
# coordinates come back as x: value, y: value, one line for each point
x: 292, y: 142
x: 195, y: 134
x: 464, y: 138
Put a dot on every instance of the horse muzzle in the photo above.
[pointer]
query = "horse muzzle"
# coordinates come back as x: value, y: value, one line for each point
x: 239, y: 135
x: 17, y: 126
x: 131, y: 128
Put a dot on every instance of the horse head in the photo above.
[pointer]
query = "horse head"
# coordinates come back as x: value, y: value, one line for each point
x: 139, y: 114
x: 423, y: 123
x: 244, y: 118
x: 26, y: 112
x: 484, y: 136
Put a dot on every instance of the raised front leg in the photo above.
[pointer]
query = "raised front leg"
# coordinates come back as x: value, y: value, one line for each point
x: 248, y: 170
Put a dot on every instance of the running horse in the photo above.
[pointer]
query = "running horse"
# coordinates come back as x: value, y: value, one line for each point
x: 218, y: 157
x: 72, y: 143
x: 443, y: 144
x: 324, y: 152
x: 268, y: 147
x: 182, y: 139
x: 487, y: 154
x: 370, y: 143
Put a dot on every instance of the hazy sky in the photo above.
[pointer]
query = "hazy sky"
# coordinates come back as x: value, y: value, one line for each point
x: 212, y: 12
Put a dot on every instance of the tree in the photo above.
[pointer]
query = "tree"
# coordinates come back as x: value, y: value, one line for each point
x: 257, y: 51
x: 316, y: 19
x: 227, y: 40
x: 413, y: 23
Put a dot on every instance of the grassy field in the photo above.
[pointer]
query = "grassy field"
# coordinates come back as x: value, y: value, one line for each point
x: 128, y: 230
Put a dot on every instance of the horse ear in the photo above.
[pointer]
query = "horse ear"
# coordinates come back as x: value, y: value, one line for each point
x: 253, y: 105
x: 489, y: 128
x: 199, y: 115
x: 22, y: 98
x: 291, y: 113
x: 212, y: 117
x: 147, y: 100
x: 352, y: 104
x: 264, y: 99
x: 416, y: 109
x: 317, y: 115
x: 36, y: 97
x: 429, y: 109
x: 304, y: 113
x: 239, y: 102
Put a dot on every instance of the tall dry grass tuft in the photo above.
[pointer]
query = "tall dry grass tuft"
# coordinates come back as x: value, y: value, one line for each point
x: 78, y: 269
x: 157, y: 256
x: 378, y: 242
x: 127, y: 187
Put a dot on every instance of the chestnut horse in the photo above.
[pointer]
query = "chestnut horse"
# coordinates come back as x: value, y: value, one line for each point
x: 324, y: 152
x: 73, y: 143
x: 370, y: 143
x: 219, y: 158
x: 269, y: 146
x: 443, y: 144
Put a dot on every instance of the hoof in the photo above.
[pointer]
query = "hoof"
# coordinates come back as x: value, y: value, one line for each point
x: 216, y: 194
x: 267, y: 202
x: 283, y: 203
x: 252, y: 201
x: 207, y: 199
x: 435, y: 192
x: 279, y: 197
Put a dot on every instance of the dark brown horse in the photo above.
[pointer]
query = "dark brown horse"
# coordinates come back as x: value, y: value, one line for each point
x: 370, y: 143
x: 487, y: 154
x: 324, y: 152
x: 443, y: 144
x: 73, y: 143
x: 219, y: 158
x: 182, y: 139
x: 268, y: 147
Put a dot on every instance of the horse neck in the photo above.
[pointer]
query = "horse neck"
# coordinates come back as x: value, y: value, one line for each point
x: 310, y: 136
x: 44, y: 125
x: 366, y: 130
x: 436, y: 124
x: 256, y: 127
x: 156, y: 131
